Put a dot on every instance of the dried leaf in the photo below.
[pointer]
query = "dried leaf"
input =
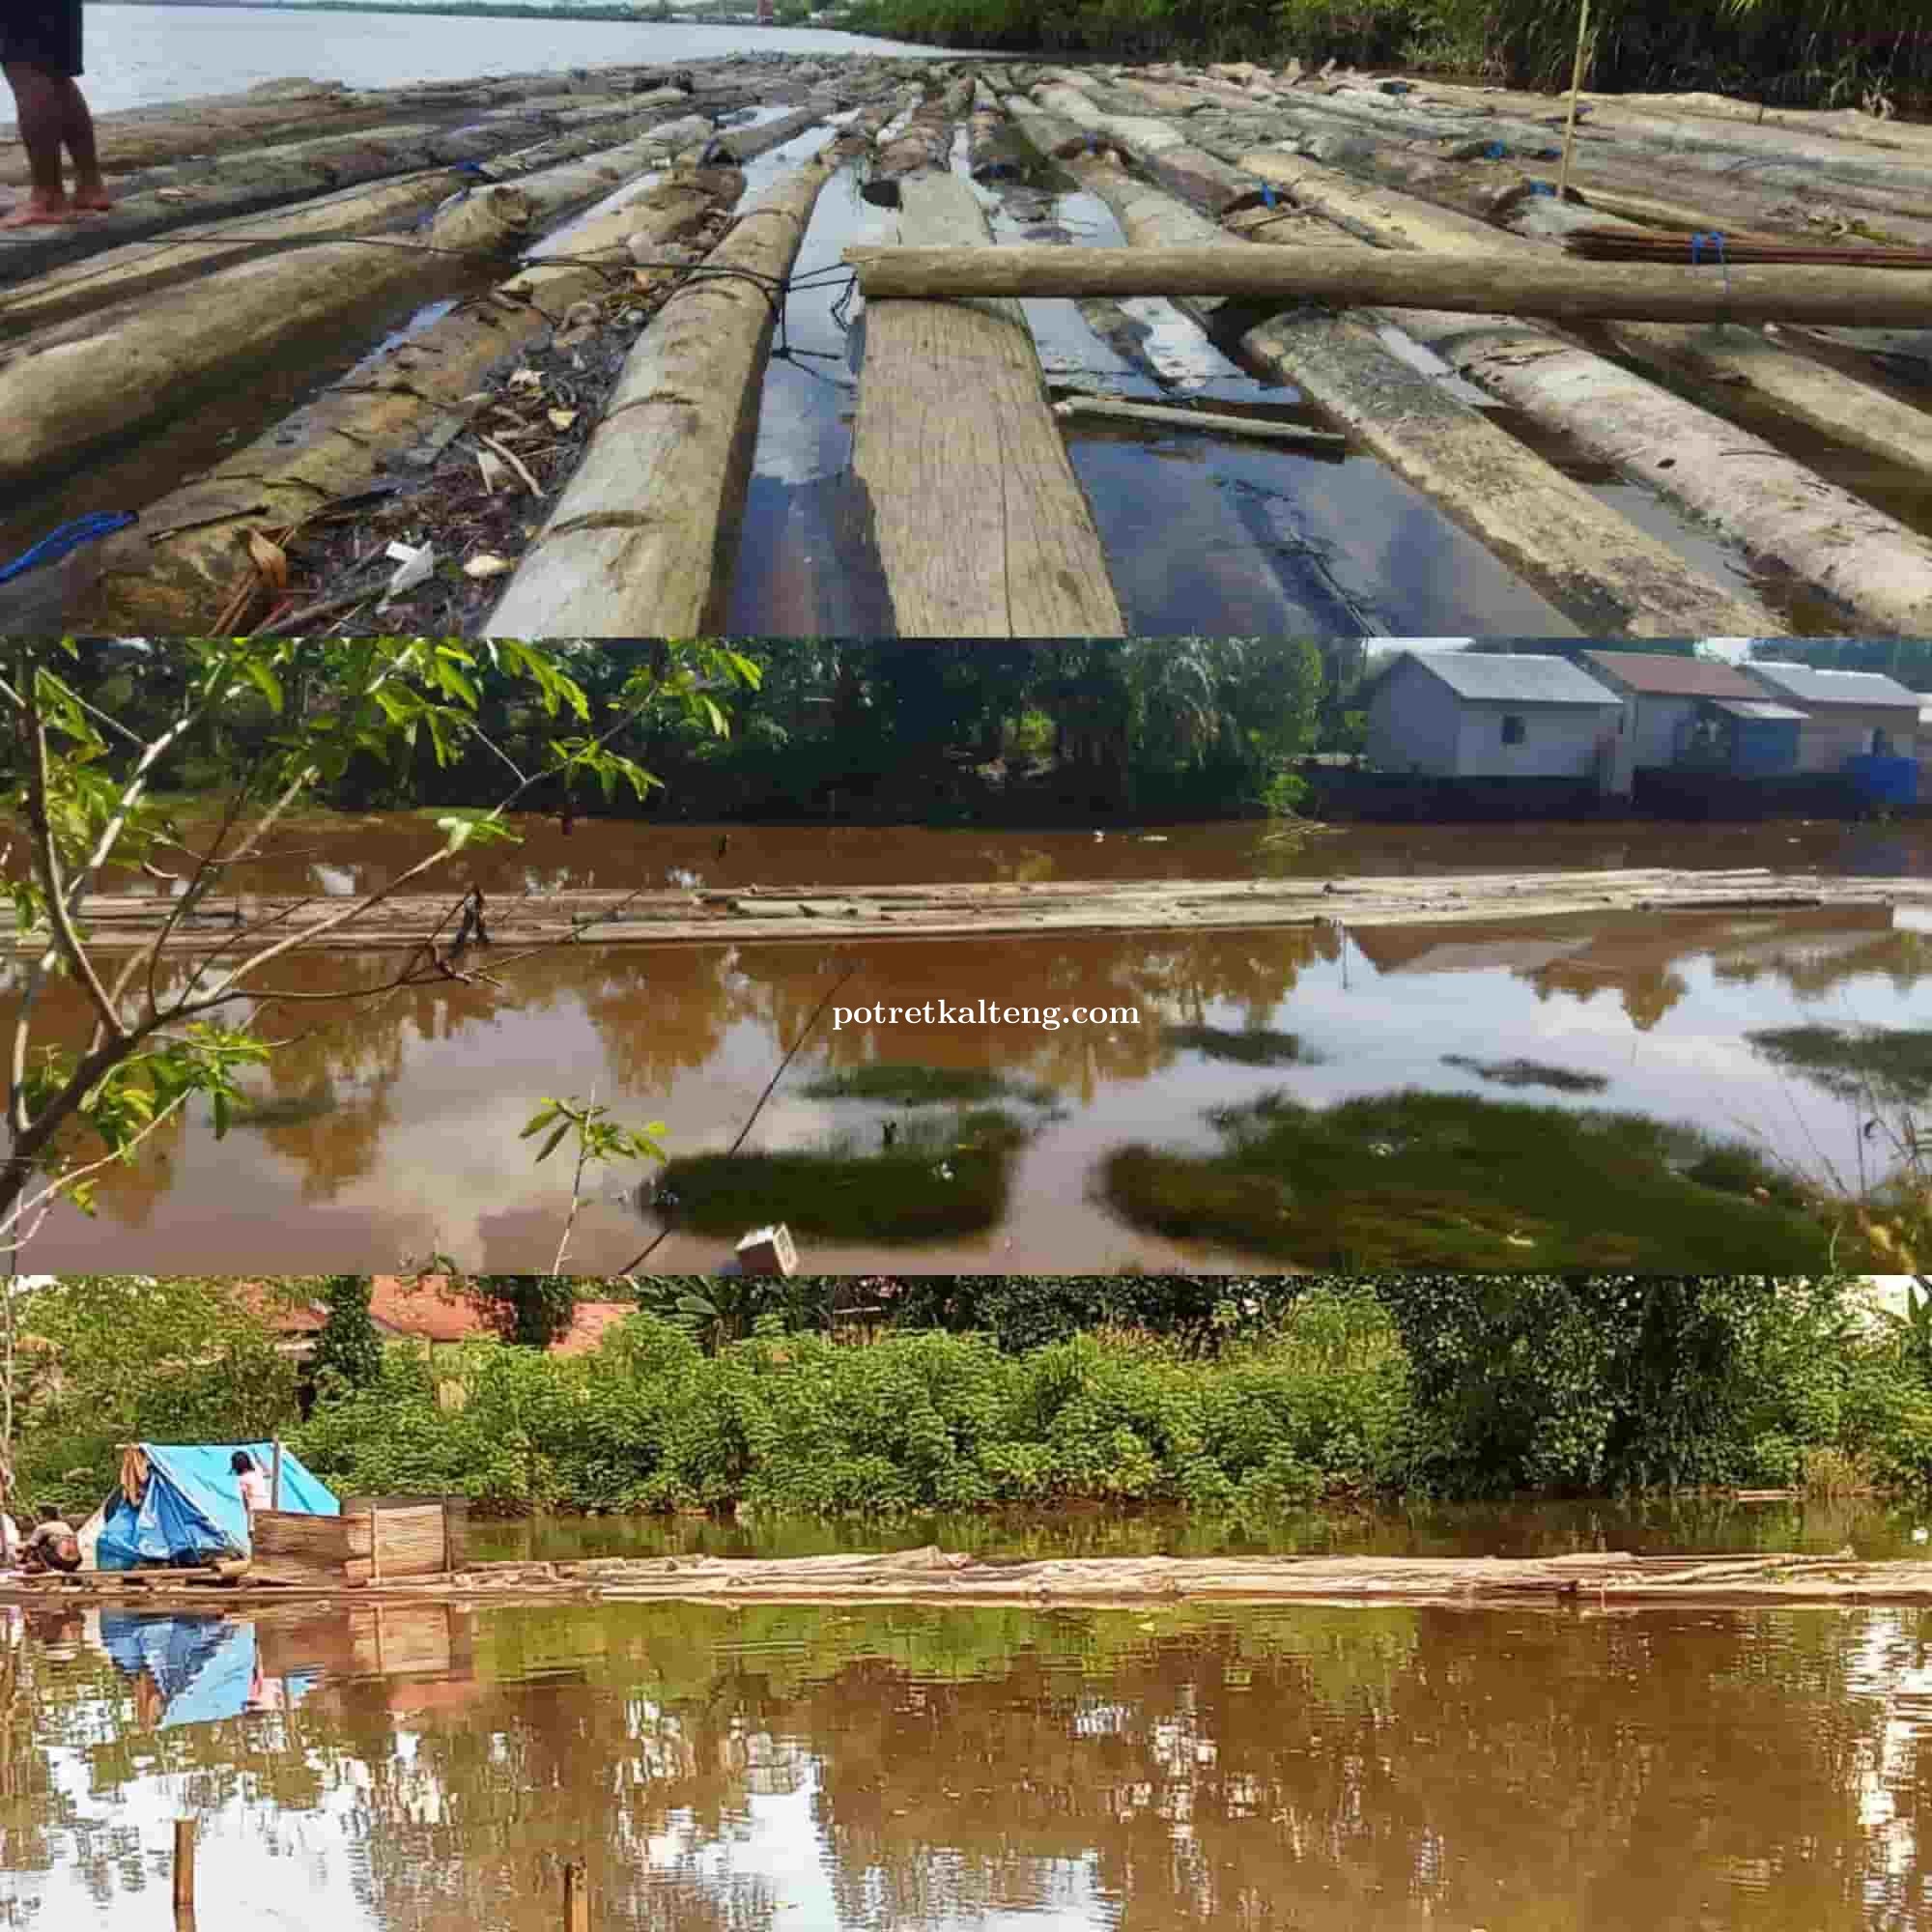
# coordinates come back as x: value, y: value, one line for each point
x: 173, y: 194
x: 493, y: 470
x: 486, y: 563
x: 526, y: 378
x: 562, y: 418
x: 271, y: 559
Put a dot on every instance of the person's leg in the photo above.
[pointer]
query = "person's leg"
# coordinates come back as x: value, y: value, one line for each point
x: 90, y: 191
x: 41, y: 115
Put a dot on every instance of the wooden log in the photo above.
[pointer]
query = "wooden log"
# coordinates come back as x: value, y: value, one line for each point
x: 1607, y: 574
x: 173, y: 573
x: 1779, y: 511
x: 1053, y: 134
x: 1221, y: 424
x: 86, y: 381
x: 184, y: 1868
x: 982, y: 526
x: 1553, y: 286
x: 740, y: 145
x: 575, y: 1897
x: 642, y: 541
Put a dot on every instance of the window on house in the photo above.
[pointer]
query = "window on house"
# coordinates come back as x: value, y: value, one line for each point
x: 1513, y: 731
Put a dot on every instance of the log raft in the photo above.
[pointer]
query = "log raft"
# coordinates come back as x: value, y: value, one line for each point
x: 410, y: 922
x: 1583, y: 1583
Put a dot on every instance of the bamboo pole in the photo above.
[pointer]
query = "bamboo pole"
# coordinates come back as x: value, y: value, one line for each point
x: 983, y: 527
x: 1774, y: 508
x: 1603, y: 570
x: 575, y: 1897
x: 176, y: 570
x: 1215, y: 422
x: 642, y: 541
x: 276, y: 1478
x: 1559, y: 287
x: 1576, y: 88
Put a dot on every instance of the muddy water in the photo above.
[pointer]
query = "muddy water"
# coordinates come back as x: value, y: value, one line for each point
x: 389, y: 1135
x: 1336, y: 1771
x: 341, y: 853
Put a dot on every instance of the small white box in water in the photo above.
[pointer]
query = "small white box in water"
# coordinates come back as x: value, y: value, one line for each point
x: 768, y: 1251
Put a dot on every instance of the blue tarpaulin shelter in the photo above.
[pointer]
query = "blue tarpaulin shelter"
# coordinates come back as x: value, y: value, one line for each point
x: 203, y: 1666
x: 192, y: 1509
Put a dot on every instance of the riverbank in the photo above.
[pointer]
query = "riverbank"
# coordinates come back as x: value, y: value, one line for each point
x: 504, y: 459
x: 409, y: 923
x: 933, y: 1576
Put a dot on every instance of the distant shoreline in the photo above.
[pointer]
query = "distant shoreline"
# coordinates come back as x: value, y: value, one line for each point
x: 658, y: 13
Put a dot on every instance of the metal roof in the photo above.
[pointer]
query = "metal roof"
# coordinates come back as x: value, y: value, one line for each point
x: 1524, y: 679
x: 1835, y: 686
x: 1747, y: 707
x: 1661, y: 675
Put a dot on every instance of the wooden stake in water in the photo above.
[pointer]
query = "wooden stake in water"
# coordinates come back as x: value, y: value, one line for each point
x: 185, y: 1872
x: 575, y: 1897
x: 275, y: 1480
x: 1576, y: 86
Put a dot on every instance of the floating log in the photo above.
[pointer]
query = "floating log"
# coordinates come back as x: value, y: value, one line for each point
x: 938, y: 911
x: 175, y: 571
x: 1217, y: 423
x: 1495, y: 282
x: 1604, y: 244
x: 1554, y: 1583
x: 954, y: 434
x: 642, y: 542
x: 1053, y: 134
x: 1606, y: 573
x: 184, y: 1869
x: 1780, y: 511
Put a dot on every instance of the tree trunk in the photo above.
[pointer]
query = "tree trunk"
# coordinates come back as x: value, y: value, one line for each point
x: 1780, y: 512
x: 174, y: 571
x: 1607, y: 574
x: 982, y: 526
x: 1567, y: 288
x: 643, y: 540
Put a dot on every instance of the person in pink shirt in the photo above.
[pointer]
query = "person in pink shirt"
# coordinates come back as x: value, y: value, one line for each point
x: 253, y: 1485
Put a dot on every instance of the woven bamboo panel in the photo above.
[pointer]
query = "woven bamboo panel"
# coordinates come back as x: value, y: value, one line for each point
x: 408, y: 1539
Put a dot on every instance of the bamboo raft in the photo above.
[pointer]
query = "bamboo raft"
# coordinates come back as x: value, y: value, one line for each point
x: 938, y: 1577
x: 414, y: 922
x: 1360, y: 216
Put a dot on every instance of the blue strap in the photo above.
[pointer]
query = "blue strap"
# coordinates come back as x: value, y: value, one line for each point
x: 1716, y: 240
x: 1495, y: 152
x: 1268, y: 196
x: 1541, y: 188
x: 66, y: 540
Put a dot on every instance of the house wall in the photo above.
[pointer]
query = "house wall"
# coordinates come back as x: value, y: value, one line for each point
x: 1414, y: 721
x: 1828, y: 737
x: 1559, y: 740
x: 1660, y: 726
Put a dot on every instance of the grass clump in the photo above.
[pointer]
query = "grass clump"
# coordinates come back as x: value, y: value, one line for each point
x: 1529, y: 1073
x: 1259, y: 1046
x: 935, y: 1179
x: 902, y: 1084
x: 1449, y: 1181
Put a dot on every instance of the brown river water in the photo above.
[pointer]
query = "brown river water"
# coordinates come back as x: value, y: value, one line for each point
x: 1365, y: 1770
x: 391, y: 1134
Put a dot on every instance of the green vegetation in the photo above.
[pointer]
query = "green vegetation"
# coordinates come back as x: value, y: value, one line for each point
x: 1431, y: 1180
x: 934, y: 1179
x: 903, y: 1085
x: 348, y: 1351
x: 1232, y: 1396
x: 1819, y: 53
x: 1254, y: 1046
x: 1529, y: 1073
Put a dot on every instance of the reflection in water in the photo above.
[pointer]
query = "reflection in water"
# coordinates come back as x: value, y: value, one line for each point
x: 392, y: 1133
x: 1373, y: 1770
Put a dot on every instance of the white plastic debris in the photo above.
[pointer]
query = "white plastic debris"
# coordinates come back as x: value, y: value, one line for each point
x: 412, y: 567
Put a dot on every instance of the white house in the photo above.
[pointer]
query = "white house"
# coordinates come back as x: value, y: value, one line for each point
x: 1472, y: 713
x: 1848, y: 714
x: 1674, y: 705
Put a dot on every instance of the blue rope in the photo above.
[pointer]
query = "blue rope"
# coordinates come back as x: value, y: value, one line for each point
x: 1268, y: 196
x: 1541, y: 188
x: 66, y: 540
x: 1717, y: 242
x: 1495, y: 152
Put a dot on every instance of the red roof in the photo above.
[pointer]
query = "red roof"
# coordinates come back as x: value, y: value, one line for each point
x: 1660, y: 674
x: 280, y: 1314
x: 426, y: 1308
x: 590, y: 1324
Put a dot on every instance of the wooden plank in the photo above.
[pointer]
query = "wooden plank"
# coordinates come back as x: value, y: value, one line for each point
x: 982, y: 526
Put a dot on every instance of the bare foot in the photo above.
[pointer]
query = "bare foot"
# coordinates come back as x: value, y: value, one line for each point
x: 38, y: 211
x: 92, y: 200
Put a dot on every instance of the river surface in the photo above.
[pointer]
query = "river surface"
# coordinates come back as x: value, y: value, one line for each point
x: 137, y: 56
x: 390, y: 1134
x: 809, y: 1767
